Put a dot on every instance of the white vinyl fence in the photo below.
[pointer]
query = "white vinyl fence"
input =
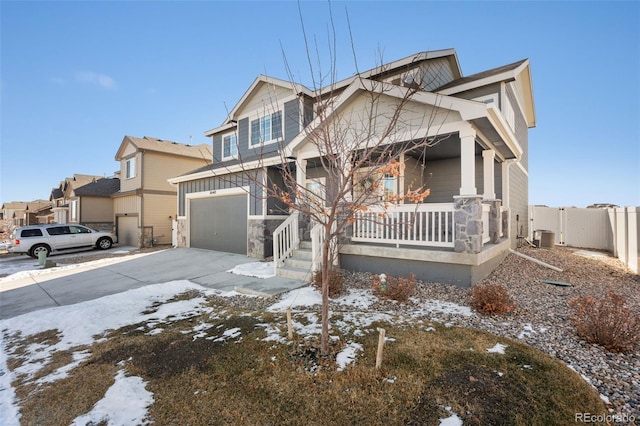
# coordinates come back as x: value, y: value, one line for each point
x: 616, y: 230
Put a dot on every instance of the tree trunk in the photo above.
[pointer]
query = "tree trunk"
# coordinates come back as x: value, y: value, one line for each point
x: 326, y: 265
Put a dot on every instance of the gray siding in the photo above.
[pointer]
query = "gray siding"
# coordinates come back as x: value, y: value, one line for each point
x: 480, y: 91
x: 214, y: 183
x: 521, y: 130
x: 519, y: 201
x: 291, y: 120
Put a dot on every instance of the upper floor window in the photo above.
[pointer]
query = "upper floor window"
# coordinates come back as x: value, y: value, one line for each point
x: 130, y: 168
x: 229, y: 146
x: 267, y: 128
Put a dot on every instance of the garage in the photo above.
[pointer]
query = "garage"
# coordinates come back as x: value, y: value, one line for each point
x: 219, y: 223
x: 127, y: 227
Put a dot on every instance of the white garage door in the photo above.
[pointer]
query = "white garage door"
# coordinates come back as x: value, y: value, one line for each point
x: 219, y: 223
x: 128, y: 230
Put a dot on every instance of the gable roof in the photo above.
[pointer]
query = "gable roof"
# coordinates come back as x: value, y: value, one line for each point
x: 104, y: 187
x: 519, y: 71
x: 147, y: 143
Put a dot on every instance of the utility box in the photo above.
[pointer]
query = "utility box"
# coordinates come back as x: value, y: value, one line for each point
x: 543, y: 238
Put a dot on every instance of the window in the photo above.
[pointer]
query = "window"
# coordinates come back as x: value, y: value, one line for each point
x: 74, y: 209
x: 79, y: 230
x: 229, y: 146
x: 317, y: 190
x: 31, y: 233
x: 58, y: 230
x: 130, y: 167
x: 389, y: 186
x: 267, y: 128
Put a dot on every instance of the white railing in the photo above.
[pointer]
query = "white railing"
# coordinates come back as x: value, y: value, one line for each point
x: 318, y: 235
x: 486, y: 212
x: 406, y: 224
x: 285, y: 240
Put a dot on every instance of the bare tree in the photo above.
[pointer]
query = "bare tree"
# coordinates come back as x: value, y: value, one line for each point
x: 361, y: 131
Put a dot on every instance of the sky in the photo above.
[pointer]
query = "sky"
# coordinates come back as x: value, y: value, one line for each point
x: 76, y: 77
x: 127, y: 401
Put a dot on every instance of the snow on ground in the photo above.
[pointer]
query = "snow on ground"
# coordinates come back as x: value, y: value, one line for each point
x: 254, y: 269
x: 127, y: 393
x: 84, y: 323
x: 497, y: 349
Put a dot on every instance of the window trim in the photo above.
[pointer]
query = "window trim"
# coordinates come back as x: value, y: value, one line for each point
x: 260, y: 125
x: 127, y: 168
x: 233, y: 155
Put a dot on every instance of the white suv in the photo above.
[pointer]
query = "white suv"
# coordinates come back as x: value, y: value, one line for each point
x: 35, y: 239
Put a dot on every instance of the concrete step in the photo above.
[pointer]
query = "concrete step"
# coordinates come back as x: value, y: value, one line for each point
x: 305, y: 244
x: 302, y: 253
x: 294, y: 273
x: 295, y: 262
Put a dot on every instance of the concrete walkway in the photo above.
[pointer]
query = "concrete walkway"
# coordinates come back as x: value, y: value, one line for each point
x: 115, y: 275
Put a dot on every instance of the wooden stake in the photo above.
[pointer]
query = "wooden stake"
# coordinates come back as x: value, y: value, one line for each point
x: 289, y: 326
x: 380, y: 348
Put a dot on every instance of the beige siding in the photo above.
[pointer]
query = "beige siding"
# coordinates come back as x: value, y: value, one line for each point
x: 266, y: 99
x: 135, y: 182
x: 128, y: 204
x: 157, y: 210
x: 96, y: 209
x: 159, y: 167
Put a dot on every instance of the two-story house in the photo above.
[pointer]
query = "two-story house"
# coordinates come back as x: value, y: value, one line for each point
x: 64, y: 204
x: 477, y: 174
x: 145, y: 206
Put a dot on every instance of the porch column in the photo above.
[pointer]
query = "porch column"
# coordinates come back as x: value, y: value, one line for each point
x: 301, y: 173
x: 488, y: 158
x: 467, y: 162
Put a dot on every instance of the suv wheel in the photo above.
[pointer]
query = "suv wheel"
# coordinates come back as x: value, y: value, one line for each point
x: 104, y: 243
x: 39, y: 248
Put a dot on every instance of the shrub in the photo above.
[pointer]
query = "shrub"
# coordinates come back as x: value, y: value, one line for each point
x: 606, y: 322
x: 396, y: 288
x: 492, y: 299
x: 336, y: 282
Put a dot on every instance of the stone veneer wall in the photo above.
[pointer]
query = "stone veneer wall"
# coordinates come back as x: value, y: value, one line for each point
x: 467, y: 219
x: 182, y: 233
x: 495, y: 221
x: 260, y: 237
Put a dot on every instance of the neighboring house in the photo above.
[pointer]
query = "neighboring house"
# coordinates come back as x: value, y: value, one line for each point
x: 64, y: 203
x: 145, y: 206
x: 93, y: 205
x: 479, y: 172
x: 22, y: 213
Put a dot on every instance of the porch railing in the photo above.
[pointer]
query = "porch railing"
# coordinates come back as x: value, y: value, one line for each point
x: 407, y: 224
x: 318, y: 235
x: 285, y: 240
x: 486, y: 210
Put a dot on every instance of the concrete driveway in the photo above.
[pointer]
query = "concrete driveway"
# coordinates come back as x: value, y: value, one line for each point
x: 115, y: 275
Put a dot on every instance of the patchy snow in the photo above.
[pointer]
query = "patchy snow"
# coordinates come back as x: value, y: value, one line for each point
x: 304, y: 296
x: 497, y: 349
x: 348, y: 355
x: 452, y: 420
x: 440, y: 307
x: 153, y: 307
x: 129, y: 398
x: 254, y: 269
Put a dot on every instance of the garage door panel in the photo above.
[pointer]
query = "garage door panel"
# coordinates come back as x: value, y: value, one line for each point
x: 128, y: 230
x: 219, y: 223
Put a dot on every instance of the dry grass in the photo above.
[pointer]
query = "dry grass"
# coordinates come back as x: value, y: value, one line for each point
x: 251, y: 381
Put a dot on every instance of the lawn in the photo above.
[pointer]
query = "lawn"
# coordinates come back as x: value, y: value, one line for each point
x: 177, y: 353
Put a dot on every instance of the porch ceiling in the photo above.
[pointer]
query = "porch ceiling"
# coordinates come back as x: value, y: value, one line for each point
x: 488, y: 130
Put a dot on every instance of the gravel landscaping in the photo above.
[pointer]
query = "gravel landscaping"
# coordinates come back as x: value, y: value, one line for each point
x: 541, y: 317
